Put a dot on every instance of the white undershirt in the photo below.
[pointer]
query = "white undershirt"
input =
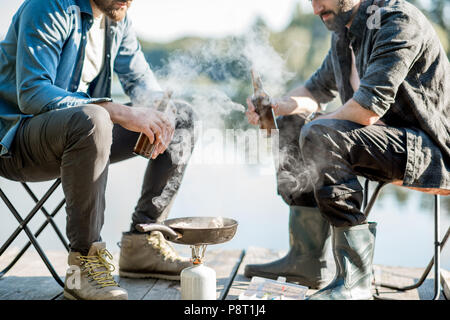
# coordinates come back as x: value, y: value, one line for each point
x: 94, y: 53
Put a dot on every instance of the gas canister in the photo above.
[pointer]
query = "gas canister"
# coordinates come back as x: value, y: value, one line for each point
x: 198, y: 283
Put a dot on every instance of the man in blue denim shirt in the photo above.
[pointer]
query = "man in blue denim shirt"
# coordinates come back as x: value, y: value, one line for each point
x: 49, y: 128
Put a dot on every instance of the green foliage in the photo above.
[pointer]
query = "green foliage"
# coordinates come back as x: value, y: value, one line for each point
x: 303, y: 45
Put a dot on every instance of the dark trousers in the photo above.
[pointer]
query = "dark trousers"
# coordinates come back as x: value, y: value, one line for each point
x: 322, y: 159
x: 78, y: 144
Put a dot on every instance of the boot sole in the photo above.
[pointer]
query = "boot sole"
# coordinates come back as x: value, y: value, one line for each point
x: 134, y: 275
x: 71, y: 296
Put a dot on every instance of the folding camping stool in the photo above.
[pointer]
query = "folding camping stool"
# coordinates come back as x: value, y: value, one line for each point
x: 438, y: 245
x: 32, y: 238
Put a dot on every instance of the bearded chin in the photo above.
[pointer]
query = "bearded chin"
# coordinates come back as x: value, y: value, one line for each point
x: 109, y: 11
x: 116, y: 15
x: 340, y: 21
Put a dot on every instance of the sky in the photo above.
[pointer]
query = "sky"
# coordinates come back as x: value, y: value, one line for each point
x: 156, y: 20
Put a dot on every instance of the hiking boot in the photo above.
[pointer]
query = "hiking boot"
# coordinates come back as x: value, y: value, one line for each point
x: 145, y: 255
x: 306, y: 261
x: 89, y: 277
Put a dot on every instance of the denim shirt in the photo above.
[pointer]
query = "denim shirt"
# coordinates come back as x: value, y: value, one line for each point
x: 404, y: 78
x: 41, y: 60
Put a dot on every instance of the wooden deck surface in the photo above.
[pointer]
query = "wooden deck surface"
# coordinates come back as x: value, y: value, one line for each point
x: 30, y: 280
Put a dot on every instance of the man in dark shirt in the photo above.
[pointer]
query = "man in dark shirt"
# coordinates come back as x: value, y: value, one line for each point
x: 393, y: 77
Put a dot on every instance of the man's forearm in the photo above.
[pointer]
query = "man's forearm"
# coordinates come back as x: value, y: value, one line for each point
x: 298, y: 100
x: 117, y: 112
x: 354, y: 112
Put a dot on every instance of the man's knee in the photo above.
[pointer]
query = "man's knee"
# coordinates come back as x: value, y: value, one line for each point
x: 91, y: 124
x: 315, y: 132
x: 325, y: 131
x: 290, y: 121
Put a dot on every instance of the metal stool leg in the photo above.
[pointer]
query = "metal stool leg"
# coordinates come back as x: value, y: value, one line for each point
x: 425, y: 273
x: 438, y: 246
x: 368, y: 207
x: 49, y: 217
x: 25, y: 248
x: 366, y: 193
x: 23, y: 226
x: 24, y: 222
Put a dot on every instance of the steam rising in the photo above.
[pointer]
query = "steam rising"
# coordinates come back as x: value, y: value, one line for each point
x: 216, y: 222
x: 188, y: 75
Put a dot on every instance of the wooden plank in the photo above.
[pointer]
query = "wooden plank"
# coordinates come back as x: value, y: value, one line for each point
x: 401, y: 277
x: 28, y: 288
x: 164, y: 290
x: 445, y: 282
x: 137, y: 288
x: 224, y: 262
x: 227, y: 282
x: 30, y: 279
x: 252, y: 255
x: 257, y: 256
x: 383, y: 274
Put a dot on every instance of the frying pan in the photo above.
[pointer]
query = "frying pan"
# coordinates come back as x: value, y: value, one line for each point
x: 194, y: 230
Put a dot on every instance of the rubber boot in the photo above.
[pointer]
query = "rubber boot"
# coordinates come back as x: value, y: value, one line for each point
x: 353, y: 249
x: 305, y: 263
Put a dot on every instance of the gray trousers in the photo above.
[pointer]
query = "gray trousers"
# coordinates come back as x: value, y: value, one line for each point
x: 320, y: 162
x: 78, y: 144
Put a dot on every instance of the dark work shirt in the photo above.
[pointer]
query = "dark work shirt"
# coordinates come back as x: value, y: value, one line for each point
x: 404, y: 78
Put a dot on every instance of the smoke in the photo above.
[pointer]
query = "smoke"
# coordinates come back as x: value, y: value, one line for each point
x: 263, y: 58
x: 293, y: 175
x: 209, y: 76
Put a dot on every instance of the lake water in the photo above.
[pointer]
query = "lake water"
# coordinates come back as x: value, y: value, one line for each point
x: 248, y: 194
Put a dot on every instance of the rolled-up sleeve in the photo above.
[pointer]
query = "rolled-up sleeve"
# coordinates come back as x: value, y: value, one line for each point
x: 322, y: 84
x: 132, y: 68
x: 396, y: 46
x: 41, y: 34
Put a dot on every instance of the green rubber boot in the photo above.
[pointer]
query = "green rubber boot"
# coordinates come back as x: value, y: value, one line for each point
x: 305, y: 262
x: 353, y: 249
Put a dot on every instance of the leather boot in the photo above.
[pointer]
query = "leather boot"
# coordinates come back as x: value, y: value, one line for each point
x: 149, y: 256
x: 89, y: 277
x: 305, y: 262
x: 353, y: 249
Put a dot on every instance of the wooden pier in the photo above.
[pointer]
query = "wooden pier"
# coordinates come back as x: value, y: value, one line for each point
x: 30, y: 280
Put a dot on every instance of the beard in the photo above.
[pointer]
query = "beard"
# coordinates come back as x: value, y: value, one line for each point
x: 110, y: 10
x: 340, y: 17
